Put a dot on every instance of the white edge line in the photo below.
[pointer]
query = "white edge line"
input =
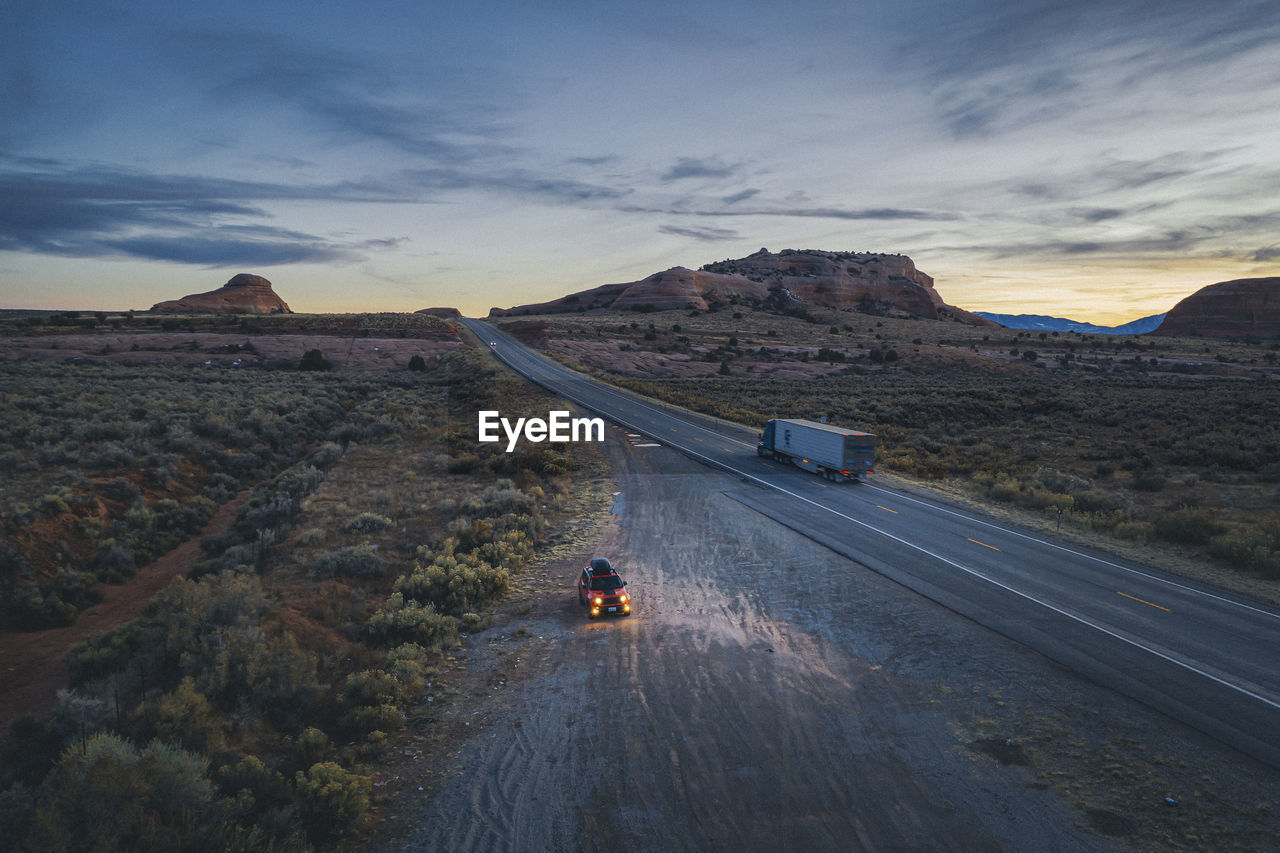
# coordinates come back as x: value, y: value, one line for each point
x: 973, y: 572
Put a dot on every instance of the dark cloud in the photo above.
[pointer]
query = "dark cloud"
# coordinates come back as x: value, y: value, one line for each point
x: 223, y: 248
x: 88, y: 212
x: 1173, y: 242
x: 705, y: 234
x: 886, y: 213
x: 520, y: 182
x: 740, y: 196
x: 48, y: 207
x: 1100, y: 214
x: 1264, y: 255
x: 996, y: 67
x: 690, y: 167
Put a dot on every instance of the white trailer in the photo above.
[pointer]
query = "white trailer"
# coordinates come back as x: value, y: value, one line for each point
x: 838, y: 454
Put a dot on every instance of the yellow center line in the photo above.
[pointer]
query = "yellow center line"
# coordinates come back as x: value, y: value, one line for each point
x: 886, y: 509
x: 816, y: 483
x: 766, y: 464
x: 1148, y: 603
x: 695, y: 438
x: 983, y: 544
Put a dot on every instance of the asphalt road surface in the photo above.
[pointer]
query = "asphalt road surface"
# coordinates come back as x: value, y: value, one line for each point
x: 1202, y: 656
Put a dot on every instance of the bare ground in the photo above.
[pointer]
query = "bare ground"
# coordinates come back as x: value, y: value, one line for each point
x: 770, y: 695
x: 221, y: 349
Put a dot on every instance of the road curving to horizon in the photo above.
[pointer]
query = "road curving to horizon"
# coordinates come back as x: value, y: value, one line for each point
x: 1200, y: 655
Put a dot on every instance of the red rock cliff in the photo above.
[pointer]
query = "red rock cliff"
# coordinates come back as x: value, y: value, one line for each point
x: 1229, y: 309
x: 872, y: 282
x: 243, y: 294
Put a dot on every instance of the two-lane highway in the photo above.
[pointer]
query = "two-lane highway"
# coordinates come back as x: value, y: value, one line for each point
x: 1205, y: 657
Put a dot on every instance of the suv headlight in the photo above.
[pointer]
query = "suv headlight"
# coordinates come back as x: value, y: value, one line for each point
x: 599, y: 600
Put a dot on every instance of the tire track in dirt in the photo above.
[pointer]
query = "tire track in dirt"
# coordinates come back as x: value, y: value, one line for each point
x: 748, y: 704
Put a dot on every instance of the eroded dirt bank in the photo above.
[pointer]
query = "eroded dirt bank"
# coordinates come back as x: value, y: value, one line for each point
x: 768, y: 694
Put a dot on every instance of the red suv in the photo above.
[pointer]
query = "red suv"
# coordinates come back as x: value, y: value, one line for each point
x: 601, y: 589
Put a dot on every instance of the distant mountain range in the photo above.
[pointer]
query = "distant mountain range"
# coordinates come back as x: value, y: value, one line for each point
x: 1041, y: 323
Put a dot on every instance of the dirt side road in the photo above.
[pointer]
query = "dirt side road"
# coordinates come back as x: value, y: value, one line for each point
x: 768, y: 695
x: 33, y: 664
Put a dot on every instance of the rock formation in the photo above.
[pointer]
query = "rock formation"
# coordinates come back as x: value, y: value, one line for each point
x: 443, y: 313
x: 1245, y: 307
x: 869, y: 282
x: 243, y: 294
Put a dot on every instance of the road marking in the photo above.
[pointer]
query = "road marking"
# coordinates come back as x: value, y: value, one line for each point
x: 975, y: 573
x: 816, y: 483
x: 1075, y: 553
x: 886, y: 509
x: 983, y: 544
x: 767, y: 465
x: 695, y: 438
x: 1144, y: 601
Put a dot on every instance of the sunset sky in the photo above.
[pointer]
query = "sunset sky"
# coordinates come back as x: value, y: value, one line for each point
x: 1097, y: 160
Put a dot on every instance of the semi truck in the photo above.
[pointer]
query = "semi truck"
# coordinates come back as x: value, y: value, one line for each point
x: 838, y: 454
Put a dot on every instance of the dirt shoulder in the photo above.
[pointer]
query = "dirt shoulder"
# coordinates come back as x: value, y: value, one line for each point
x: 768, y: 694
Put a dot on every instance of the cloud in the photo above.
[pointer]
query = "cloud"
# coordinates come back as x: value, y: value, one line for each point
x: 690, y: 167
x: 705, y: 234
x: 346, y: 94
x: 1263, y: 255
x: 1001, y: 67
x: 740, y: 196
x: 98, y: 212
x: 221, y: 247
x: 885, y: 213
x: 520, y: 182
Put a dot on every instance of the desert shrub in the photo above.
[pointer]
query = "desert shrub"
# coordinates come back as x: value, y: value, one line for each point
x: 183, y: 717
x: 1251, y: 550
x: 1004, y: 490
x: 417, y: 364
x: 312, y: 746
x: 54, y: 603
x: 120, y: 489
x: 368, y: 522
x: 364, y: 720
x: 1136, y: 531
x: 1149, y: 481
x: 114, y: 562
x: 331, y: 800
x: 408, y: 621
x: 323, y: 457
x: 313, y: 359
x: 463, y: 463
x: 107, y: 794
x: 265, y: 788
x: 1187, y: 526
x: 53, y: 503
x: 311, y: 537
x: 350, y: 561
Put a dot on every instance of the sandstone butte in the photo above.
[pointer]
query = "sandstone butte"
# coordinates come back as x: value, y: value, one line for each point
x: 870, y: 282
x: 1244, y: 307
x: 243, y: 294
